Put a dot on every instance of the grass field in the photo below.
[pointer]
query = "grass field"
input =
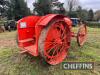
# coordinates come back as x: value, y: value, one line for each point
x: 12, y: 63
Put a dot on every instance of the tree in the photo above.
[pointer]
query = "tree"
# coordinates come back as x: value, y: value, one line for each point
x: 42, y: 7
x: 72, y: 4
x: 3, y: 7
x: 79, y: 11
x: 97, y: 15
x: 73, y: 14
x: 17, y: 9
x: 82, y: 13
x: 57, y: 7
x: 90, y: 15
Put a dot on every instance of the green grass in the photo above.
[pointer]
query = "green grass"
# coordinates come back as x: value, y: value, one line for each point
x: 12, y: 63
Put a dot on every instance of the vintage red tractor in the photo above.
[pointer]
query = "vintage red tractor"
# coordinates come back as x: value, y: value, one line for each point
x: 48, y: 36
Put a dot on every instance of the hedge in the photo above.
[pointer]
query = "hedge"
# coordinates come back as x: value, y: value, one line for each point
x: 93, y: 24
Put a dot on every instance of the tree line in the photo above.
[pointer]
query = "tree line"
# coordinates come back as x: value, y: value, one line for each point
x: 16, y: 9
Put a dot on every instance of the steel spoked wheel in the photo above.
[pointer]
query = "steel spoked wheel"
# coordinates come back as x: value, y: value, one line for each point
x: 82, y: 35
x: 54, y: 42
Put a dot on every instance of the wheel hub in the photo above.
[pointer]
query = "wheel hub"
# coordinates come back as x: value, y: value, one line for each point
x: 58, y: 41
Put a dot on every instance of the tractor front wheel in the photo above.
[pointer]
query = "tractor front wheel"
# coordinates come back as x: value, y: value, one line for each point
x: 82, y: 35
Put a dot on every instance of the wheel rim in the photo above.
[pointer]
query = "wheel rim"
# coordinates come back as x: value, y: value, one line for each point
x: 55, y: 45
x: 82, y: 35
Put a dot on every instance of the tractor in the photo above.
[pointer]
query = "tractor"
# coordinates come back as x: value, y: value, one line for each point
x: 48, y: 36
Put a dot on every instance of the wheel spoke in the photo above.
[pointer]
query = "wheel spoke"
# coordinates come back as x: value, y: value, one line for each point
x: 62, y: 48
x: 54, y: 51
x: 64, y: 32
x: 48, y: 45
x: 58, y: 50
x: 51, y: 49
x: 64, y: 37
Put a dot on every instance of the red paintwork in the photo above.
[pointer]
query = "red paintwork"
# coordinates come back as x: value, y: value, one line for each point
x: 33, y: 29
x: 82, y: 35
x: 57, y: 42
x: 28, y: 36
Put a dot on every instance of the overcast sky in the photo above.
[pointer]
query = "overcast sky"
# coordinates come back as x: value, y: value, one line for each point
x: 86, y: 4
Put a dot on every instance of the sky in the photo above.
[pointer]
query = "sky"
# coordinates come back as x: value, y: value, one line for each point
x: 86, y: 4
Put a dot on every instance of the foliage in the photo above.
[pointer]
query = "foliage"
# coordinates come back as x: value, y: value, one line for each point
x: 17, y: 9
x: 3, y: 7
x: 93, y: 24
x: 90, y: 15
x: 73, y: 14
x: 97, y: 15
x: 72, y: 5
x: 58, y: 7
x: 82, y: 13
x: 42, y: 7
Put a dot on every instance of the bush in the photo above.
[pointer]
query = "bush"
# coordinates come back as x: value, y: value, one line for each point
x: 93, y: 24
x: 2, y: 23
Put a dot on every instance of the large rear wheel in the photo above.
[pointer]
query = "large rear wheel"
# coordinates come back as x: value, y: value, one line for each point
x: 54, y: 42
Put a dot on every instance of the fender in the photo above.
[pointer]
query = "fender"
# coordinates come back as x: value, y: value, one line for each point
x: 68, y: 22
x: 46, y: 19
